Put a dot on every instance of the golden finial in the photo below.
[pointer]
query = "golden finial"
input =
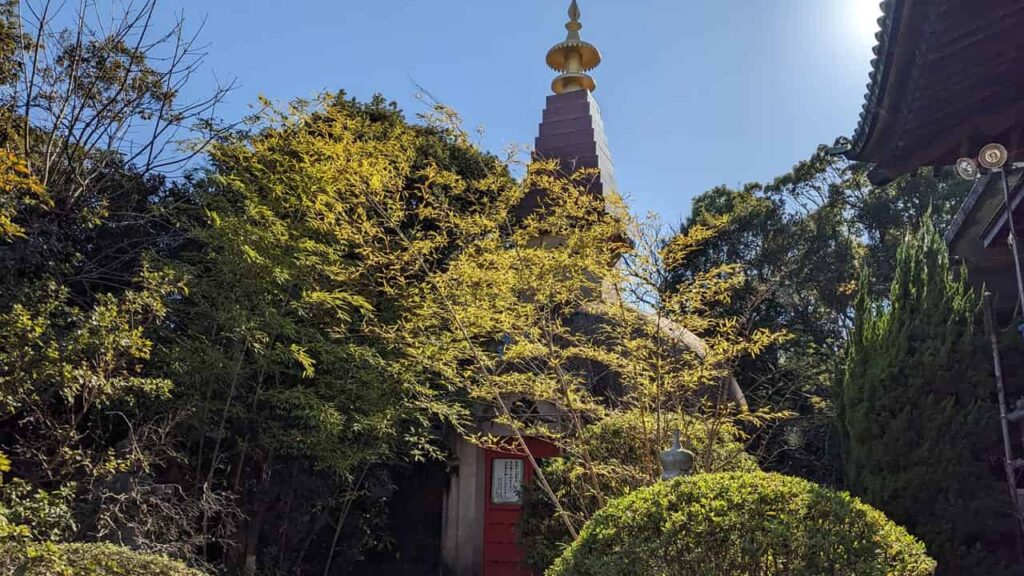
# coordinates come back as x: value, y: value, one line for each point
x: 574, y: 26
x: 573, y: 58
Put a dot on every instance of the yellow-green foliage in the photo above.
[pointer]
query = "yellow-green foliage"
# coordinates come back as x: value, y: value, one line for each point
x: 314, y: 238
x: 86, y: 560
x: 536, y: 324
x: 525, y: 279
x: 576, y: 329
x: 36, y: 513
x: 52, y: 346
x: 742, y: 524
x: 358, y: 274
x: 311, y: 241
x: 627, y: 448
x: 18, y: 190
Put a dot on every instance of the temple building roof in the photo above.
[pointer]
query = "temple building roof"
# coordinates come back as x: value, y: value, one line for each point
x: 946, y: 80
x: 977, y: 237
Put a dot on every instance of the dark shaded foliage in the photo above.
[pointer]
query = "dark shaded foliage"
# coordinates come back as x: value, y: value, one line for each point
x: 917, y: 412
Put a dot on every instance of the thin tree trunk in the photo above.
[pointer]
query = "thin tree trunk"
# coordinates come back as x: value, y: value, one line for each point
x: 321, y: 519
x: 341, y: 519
x: 486, y: 371
x: 240, y: 354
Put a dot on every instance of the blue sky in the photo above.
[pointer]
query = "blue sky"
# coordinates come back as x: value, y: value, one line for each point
x: 695, y: 93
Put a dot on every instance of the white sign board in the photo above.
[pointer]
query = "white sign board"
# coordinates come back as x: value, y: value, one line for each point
x: 506, y: 480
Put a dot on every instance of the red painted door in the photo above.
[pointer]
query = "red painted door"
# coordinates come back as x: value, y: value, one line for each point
x: 506, y: 473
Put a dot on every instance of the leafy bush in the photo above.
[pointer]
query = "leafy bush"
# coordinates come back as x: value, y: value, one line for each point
x: 86, y: 560
x: 735, y: 524
x: 31, y: 522
x: 627, y: 451
x: 44, y: 515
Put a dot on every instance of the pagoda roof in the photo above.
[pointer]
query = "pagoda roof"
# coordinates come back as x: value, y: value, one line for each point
x: 946, y: 80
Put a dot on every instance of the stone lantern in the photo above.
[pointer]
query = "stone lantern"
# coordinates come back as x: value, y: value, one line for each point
x: 676, y: 461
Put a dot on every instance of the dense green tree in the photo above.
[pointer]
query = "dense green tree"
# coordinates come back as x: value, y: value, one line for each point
x: 308, y: 240
x: 87, y: 124
x: 611, y: 379
x: 801, y: 240
x: 877, y: 216
x: 916, y: 413
x: 797, y: 273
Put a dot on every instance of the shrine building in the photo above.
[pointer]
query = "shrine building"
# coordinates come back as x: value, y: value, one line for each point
x: 946, y: 90
x: 482, y: 503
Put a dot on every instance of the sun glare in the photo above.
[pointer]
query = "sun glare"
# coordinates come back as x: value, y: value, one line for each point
x: 863, y: 18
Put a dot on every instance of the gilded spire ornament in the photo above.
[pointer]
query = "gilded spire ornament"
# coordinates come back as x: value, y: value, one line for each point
x: 573, y: 58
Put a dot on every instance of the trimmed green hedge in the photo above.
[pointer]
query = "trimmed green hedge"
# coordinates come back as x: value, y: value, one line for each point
x: 85, y: 560
x: 742, y: 524
x: 628, y: 454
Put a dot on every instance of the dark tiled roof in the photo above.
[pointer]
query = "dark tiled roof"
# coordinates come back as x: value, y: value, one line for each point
x: 887, y: 23
x: 980, y: 185
x: 946, y: 79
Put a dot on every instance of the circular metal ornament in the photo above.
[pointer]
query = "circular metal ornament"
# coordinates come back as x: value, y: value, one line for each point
x: 993, y: 156
x: 967, y: 168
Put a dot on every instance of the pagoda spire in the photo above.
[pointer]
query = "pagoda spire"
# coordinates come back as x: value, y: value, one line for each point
x: 573, y: 58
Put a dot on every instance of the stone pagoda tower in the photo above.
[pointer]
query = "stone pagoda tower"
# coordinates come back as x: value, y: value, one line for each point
x: 482, y: 504
x: 572, y: 131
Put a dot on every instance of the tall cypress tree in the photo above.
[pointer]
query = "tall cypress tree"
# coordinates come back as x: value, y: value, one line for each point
x: 917, y: 413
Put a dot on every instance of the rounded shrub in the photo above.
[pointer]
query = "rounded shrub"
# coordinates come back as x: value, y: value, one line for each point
x: 49, y: 559
x: 628, y: 453
x: 741, y: 524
